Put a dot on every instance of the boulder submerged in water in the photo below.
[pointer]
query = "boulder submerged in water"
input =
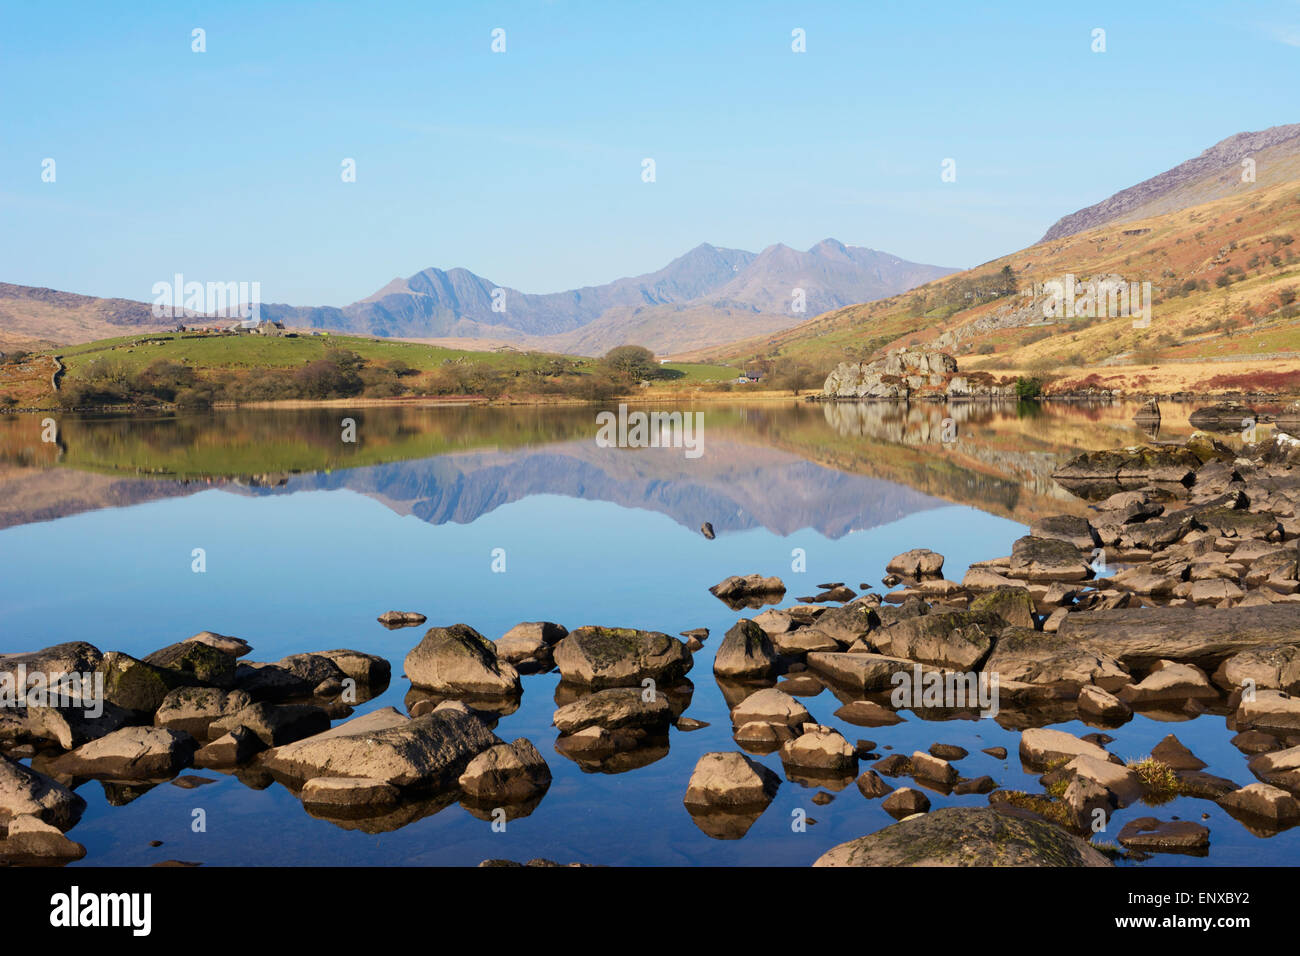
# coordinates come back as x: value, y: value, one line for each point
x: 620, y: 657
x: 459, y: 660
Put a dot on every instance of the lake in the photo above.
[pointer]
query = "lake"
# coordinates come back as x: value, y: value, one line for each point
x: 495, y: 515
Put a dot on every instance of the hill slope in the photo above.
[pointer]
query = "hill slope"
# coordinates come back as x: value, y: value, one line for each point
x: 1215, y: 174
x: 1225, y: 306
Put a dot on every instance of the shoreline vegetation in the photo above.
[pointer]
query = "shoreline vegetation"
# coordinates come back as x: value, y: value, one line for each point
x: 293, y: 370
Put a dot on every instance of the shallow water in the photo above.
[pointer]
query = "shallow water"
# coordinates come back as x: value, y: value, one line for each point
x: 308, y: 539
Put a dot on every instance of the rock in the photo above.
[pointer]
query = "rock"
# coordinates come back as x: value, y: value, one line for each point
x: 1263, y: 801
x: 360, y: 793
x: 1034, y: 657
x: 620, y: 657
x: 1156, y: 836
x: 760, y: 737
x: 732, y: 781
x: 1169, y: 680
x: 1047, y: 559
x: 193, y: 709
x: 1271, y: 710
x: 368, y: 670
x: 1175, y: 756
x: 872, y: 786
x: 822, y: 749
x: 706, y: 529
x: 770, y: 706
x: 230, y: 750
x: 927, y: 767
x: 1255, y: 742
x: 222, y: 642
x: 613, y: 708
x: 70, y: 727
x: 1041, y: 746
x: 1102, y: 473
x: 196, y: 663
x: 1224, y: 417
x: 805, y: 640
x: 424, y: 753
x: 508, y: 773
x: 274, y: 724
x: 311, y: 669
x: 134, y: 685
x: 1142, y: 636
x: 27, y: 792
x: 74, y: 657
x: 395, y: 619
x: 746, y: 653
x: 1097, y: 703
x: 1281, y: 768
x: 997, y: 753
x: 949, y: 752
x: 269, y: 682
x: 966, y: 836
x: 851, y: 622
x: 1206, y: 786
x: 737, y: 591
x: 956, y: 639
x: 31, y: 840
x: 1270, y: 667
x: 862, y: 672
x: 982, y: 784
x: 867, y: 713
x: 1121, y: 782
x: 1083, y: 798
x: 530, y: 641
x: 132, y: 753
x: 982, y: 579
x: 1072, y: 528
x: 903, y: 802
x: 1013, y: 605
x: 916, y: 564
x: 459, y: 660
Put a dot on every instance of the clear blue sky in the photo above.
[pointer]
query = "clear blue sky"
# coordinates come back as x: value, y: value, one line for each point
x: 525, y: 167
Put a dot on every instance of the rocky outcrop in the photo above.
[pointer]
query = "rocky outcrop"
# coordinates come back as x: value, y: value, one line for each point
x: 912, y: 374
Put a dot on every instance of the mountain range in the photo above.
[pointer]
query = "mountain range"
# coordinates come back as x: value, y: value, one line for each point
x: 707, y: 296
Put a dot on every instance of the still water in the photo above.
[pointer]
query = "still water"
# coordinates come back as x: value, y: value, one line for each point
x: 308, y: 538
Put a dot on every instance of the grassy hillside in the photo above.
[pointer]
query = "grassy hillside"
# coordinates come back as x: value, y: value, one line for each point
x: 1225, y: 278
x: 192, y: 368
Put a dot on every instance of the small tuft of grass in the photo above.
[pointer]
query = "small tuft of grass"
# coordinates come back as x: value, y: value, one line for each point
x: 1158, y: 779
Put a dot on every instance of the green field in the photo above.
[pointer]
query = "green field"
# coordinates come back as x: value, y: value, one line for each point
x: 258, y: 351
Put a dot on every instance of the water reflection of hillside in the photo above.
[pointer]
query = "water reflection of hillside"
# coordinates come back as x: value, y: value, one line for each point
x: 833, y: 467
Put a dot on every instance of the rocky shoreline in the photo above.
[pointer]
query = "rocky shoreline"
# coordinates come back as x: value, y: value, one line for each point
x: 1177, y: 595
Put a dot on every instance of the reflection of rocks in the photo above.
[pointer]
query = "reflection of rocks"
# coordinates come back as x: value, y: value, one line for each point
x: 382, y: 817
x: 489, y: 709
x: 597, y: 750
